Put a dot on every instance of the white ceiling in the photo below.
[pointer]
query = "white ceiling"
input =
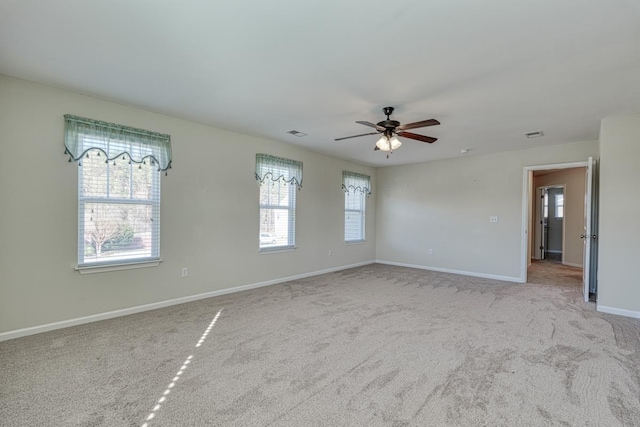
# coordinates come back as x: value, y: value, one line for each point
x: 488, y: 70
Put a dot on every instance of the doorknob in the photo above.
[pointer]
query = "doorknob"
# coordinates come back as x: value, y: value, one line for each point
x: 593, y: 236
x: 582, y: 236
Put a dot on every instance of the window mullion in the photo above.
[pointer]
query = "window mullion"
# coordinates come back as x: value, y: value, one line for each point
x: 119, y: 201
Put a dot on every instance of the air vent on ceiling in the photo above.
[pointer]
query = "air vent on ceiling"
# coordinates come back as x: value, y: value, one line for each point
x: 297, y: 133
x: 536, y: 134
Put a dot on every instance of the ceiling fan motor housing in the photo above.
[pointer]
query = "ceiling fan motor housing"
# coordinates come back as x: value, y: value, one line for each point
x: 389, y: 124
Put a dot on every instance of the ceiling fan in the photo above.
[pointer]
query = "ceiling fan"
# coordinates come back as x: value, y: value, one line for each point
x: 391, y: 129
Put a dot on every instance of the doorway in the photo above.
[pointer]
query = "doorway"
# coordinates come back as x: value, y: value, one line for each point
x: 549, y: 230
x: 568, y: 190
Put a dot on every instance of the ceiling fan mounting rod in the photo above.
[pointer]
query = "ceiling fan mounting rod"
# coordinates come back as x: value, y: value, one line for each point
x: 389, y: 124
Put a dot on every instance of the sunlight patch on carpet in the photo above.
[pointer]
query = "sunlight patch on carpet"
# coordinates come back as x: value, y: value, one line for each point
x: 184, y: 366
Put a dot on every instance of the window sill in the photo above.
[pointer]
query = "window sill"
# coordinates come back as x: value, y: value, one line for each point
x: 355, y: 242
x: 277, y: 250
x: 103, y: 268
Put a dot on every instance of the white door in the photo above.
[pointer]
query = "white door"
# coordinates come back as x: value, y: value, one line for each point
x: 540, y: 229
x: 544, y: 221
x: 587, y: 237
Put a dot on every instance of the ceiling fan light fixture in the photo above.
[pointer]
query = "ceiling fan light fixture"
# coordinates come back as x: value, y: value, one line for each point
x: 395, y: 143
x: 390, y: 128
x: 388, y: 144
x: 383, y: 143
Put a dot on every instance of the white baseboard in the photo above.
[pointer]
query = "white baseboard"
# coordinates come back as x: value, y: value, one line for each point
x: 446, y: 270
x: 554, y: 252
x: 572, y: 264
x: 4, y: 336
x: 618, y: 311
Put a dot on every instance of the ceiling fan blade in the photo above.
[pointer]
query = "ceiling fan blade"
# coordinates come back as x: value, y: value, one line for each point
x: 424, y: 123
x: 417, y: 137
x: 356, y: 136
x: 380, y: 128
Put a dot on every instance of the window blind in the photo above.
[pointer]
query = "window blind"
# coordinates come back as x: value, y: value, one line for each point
x: 279, y: 180
x: 356, y: 187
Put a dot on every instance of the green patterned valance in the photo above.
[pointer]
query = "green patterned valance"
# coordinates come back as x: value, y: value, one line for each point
x: 139, y: 145
x: 355, y: 182
x: 278, y: 168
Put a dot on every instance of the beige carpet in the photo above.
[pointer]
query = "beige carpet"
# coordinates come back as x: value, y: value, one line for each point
x: 372, y: 346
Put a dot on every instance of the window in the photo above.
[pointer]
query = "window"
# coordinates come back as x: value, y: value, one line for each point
x: 356, y: 187
x: 118, y: 210
x: 559, y: 205
x: 118, y: 191
x: 279, y: 181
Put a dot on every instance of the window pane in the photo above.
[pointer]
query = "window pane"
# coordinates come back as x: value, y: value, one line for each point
x: 353, y: 226
x: 277, y: 214
x: 559, y: 205
x: 142, y: 183
x: 276, y: 193
x: 354, y: 216
x: 119, y: 178
x: 353, y: 200
x: 93, y: 173
x: 274, y: 227
x: 117, y: 231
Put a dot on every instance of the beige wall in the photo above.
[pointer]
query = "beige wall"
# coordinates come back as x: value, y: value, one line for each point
x: 445, y: 206
x: 209, y: 212
x: 619, y: 231
x: 574, y: 181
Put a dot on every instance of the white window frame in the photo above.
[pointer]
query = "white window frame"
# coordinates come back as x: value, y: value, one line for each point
x: 361, y: 212
x: 355, y: 185
x: 559, y: 202
x: 291, y: 219
x: 273, y: 170
x: 154, y: 202
x: 117, y: 143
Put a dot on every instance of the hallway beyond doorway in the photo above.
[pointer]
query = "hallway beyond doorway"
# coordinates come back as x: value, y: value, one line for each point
x: 554, y: 274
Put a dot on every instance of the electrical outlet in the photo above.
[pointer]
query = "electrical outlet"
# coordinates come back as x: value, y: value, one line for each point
x: 185, y: 272
x: 430, y: 251
x: 493, y: 218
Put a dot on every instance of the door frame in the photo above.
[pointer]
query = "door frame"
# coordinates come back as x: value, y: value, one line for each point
x: 536, y: 230
x: 527, y: 196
